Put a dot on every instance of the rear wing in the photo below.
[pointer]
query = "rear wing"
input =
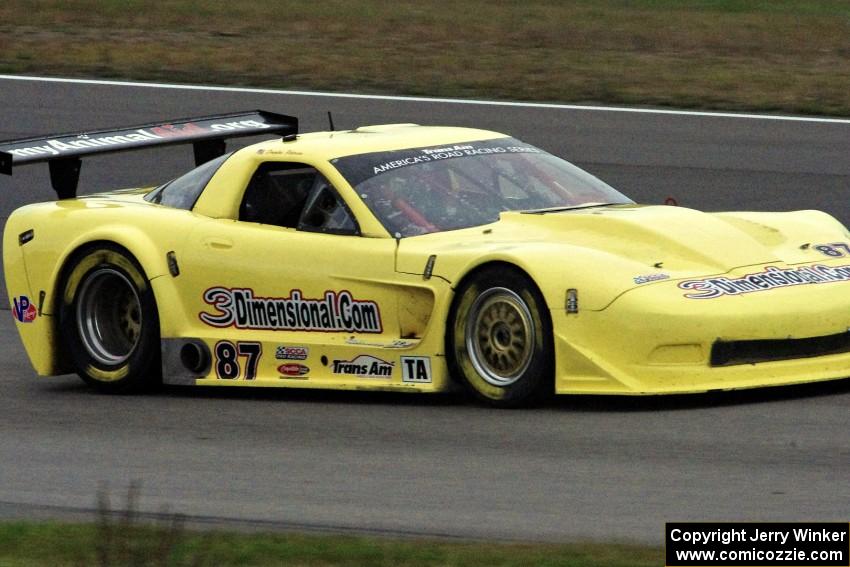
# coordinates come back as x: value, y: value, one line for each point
x: 207, y: 134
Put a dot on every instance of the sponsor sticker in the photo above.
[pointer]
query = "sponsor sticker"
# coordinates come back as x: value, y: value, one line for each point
x: 291, y: 353
x: 767, y: 279
x: 416, y: 369
x: 396, y: 343
x: 23, y: 309
x: 65, y: 144
x: 364, y: 366
x: 336, y: 311
x: 293, y: 369
x: 650, y: 278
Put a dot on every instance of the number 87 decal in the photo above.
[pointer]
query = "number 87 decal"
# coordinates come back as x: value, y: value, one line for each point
x: 834, y: 249
x: 227, y: 356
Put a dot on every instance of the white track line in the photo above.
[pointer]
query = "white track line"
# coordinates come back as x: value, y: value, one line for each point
x: 211, y: 88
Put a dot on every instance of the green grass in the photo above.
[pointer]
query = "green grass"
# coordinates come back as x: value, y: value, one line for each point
x: 127, y: 539
x: 56, y: 544
x: 780, y: 55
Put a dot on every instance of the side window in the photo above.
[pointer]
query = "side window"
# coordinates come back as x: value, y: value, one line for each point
x: 181, y: 193
x: 277, y: 194
x: 326, y: 212
x: 294, y: 195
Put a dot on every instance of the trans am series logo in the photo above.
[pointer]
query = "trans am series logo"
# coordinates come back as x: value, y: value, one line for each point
x: 23, y: 309
x: 336, y: 311
x: 769, y: 278
x: 364, y: 366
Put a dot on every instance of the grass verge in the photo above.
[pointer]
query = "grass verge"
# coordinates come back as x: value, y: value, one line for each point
x: 53, y: 544
x: 775, y: 55
x: 126, y: 539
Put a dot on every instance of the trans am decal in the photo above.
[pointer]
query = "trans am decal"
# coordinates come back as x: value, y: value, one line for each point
x: 336, y: 311
x: 364, y: 366
x: 769, y: 278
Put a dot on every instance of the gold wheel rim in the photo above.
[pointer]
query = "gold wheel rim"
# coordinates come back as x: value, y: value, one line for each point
x: 500, y: 336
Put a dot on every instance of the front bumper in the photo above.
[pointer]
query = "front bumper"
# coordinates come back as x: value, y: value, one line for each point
x: 653, y: 340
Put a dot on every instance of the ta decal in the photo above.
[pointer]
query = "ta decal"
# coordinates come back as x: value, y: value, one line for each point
x: 416, y: 369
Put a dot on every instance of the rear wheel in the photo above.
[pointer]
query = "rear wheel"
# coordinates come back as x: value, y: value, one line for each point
x: 108, y: 321
x: 500, y: 338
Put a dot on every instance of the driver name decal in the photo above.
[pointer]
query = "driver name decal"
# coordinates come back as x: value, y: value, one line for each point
x: 337, y: 311
x: 769, y: 278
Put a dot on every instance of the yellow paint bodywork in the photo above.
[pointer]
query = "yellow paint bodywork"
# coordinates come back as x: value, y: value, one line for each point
x: 627, y: 338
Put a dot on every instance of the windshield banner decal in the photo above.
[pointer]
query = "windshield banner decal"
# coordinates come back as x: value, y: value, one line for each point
x: 358, y: 168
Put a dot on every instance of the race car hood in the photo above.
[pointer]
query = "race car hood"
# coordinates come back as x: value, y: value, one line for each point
x: 609, y: 250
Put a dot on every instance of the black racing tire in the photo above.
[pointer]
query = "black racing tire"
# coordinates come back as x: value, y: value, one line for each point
x: 499, y: 339
x: 108, y: 321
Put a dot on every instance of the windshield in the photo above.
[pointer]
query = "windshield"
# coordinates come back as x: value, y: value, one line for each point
x: 422, y: 190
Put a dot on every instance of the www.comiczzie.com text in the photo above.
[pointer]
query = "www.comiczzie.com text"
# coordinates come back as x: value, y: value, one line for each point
x: 758, y: 544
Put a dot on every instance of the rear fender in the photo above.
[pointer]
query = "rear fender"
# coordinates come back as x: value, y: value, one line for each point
x: 38, y: 268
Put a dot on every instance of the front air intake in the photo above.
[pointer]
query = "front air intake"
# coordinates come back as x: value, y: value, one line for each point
x: 728, y: 353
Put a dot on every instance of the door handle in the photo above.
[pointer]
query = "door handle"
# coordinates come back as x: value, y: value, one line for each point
x: 218, y: 243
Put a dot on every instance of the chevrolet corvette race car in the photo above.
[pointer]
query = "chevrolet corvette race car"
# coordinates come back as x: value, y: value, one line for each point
x: 410, y: 258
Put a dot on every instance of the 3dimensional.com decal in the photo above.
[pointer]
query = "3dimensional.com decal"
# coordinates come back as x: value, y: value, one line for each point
x: 336, y: 311
x: 769, y: 278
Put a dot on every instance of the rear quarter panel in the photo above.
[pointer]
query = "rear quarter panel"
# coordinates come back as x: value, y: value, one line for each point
x: 61, y: 228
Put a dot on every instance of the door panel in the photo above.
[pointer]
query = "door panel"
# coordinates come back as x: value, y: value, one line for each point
x: 283, y: 288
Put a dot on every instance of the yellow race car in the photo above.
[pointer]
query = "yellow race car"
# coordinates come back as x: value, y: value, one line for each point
x: 410, y: 258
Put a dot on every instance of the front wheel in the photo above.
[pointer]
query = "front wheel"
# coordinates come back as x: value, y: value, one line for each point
x: 500, y: 339
x: 108, y: 321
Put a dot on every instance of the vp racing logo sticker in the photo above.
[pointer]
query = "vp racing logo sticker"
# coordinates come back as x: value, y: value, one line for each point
x: 23, y: 309
x: 769, y: 278
x: 336, y: 311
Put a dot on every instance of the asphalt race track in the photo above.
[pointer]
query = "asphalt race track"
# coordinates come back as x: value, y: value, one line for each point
x: 592, y: 467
